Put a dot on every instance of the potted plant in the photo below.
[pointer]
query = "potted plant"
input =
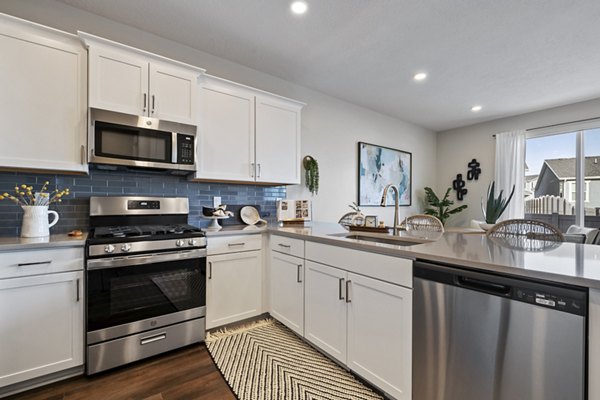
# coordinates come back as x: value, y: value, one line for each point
x: 495, y: 206
x: 441, y: 208
x: 311, y: 167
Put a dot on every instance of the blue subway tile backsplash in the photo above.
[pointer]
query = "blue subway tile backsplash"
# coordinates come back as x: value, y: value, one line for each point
x: 74, y: 209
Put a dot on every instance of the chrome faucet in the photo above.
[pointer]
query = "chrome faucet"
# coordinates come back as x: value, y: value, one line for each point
x: 396, y: 201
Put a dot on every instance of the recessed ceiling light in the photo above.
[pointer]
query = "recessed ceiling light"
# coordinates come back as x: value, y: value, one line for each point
x: 299, y: 7
x: 420, y: 76
x: 476, y: 108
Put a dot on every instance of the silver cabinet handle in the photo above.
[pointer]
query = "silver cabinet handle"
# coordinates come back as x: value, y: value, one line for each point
x: 77, y: 288
x: 153, y: 108
x: 258, y: 173
x: 348, y: 291
x: 299, y: 273
x: 210, y: 270
x: 151, y: 339
x: 145, y: 101
x: 287, y: 246
x: 83, y: 160
x: 341, y: 285
x: 34, y: 263
x: 252, y: 170
x: 236, y: 244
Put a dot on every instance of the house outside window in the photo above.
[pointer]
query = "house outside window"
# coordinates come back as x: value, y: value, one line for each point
x: 555, y: 162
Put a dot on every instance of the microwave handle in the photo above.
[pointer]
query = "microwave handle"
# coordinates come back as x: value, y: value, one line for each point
x: 174, y: 148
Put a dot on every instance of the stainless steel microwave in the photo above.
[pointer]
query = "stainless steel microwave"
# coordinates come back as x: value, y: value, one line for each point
x: 131, y: 140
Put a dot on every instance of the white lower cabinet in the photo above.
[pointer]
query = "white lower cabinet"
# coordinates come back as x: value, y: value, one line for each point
x: 42, y: 325
x: 380, y: 334
x: 363, y: 322
x: 325, y: 309
x: 287, y: 290
x: 234, y: 287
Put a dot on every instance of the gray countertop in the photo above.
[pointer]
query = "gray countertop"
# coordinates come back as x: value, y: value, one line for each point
x: 58, y: 240
x: 238, y: 230
x: 569, y: 263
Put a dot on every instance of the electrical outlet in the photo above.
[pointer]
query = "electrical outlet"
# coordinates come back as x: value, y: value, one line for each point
x: 216, y: 201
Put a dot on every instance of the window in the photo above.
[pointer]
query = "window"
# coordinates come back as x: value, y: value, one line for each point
x: 572, y: 191
x: 555, y: 163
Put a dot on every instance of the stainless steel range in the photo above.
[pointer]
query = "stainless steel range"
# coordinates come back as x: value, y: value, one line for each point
x: 146, y: 279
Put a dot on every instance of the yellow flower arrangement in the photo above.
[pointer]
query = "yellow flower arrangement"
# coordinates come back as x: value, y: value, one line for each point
x: 25, y: 196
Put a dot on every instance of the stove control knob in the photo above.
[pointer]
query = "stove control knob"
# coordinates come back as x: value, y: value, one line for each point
x: 192, y: 242
x: 126, y: 247
x: 179, y: 243
x: 109, y: 248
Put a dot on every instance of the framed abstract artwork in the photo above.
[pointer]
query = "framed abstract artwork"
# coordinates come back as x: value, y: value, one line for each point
x: 379, y: 166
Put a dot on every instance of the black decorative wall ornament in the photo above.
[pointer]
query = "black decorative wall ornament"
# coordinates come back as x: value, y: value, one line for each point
x: 474, y: 170
x: 459, y: 185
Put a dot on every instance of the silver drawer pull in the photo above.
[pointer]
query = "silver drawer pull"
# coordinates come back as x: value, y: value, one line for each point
x: 236, y: 244
x: 299, y: 277
x: 152, y: 339
x: 287, y: 246
x: 34, y: 263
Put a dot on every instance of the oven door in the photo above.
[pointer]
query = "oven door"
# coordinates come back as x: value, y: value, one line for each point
x: 126, y: 295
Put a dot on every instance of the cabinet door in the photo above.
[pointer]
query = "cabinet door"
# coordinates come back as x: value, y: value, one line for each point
x: 43, y: 98
x: 173, y: 94
x: 277, y: 141
x: 42, y: 325
x: 325, y: 309
x: 380, y: 334
x: 118, y: 81
x: 233, y: 287
x: 287, y: 291
x: 226, y: 134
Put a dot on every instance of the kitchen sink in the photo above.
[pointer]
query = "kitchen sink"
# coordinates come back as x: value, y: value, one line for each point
x: 395, y: 240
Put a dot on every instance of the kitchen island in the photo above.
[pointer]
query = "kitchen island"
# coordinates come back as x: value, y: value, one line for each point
x: 556, y: 263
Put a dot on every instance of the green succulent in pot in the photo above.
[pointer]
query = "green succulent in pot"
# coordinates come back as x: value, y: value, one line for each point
x: 495, y: 206
x: 311, y: 174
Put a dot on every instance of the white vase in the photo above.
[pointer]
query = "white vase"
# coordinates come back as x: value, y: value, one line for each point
x: 35, y: 221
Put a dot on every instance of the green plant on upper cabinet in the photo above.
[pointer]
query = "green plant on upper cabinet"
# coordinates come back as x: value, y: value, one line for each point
x: 440, y: 208
x: 495, y: 206
x: 311, y: 174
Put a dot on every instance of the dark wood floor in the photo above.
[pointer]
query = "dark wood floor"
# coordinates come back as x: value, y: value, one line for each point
x: 182, y: 374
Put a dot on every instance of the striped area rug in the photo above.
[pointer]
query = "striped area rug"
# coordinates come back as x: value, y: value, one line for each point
x: 266, y: 361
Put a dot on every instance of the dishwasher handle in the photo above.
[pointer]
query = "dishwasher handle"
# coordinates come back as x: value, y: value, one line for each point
x: 483, y: 285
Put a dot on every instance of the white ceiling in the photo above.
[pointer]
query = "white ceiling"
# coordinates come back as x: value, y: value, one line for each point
x: 510, y: 56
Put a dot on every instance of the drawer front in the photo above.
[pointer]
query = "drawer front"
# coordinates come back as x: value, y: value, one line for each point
x: 233, y: 244
x: 15, y: 264
x: 113, y: 353
x: 286, y: 245
x: 386, y: 268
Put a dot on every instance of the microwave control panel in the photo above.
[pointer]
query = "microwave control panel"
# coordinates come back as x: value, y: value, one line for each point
x: 185, y: 149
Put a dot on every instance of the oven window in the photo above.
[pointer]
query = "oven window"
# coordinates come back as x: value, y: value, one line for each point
x: 122, y: 295
x: 133, y: 143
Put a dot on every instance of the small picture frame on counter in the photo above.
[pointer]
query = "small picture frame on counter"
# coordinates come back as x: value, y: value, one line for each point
x: 371, y: 221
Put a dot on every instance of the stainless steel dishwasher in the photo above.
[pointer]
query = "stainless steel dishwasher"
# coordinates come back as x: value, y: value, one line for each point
x: 478, y: 336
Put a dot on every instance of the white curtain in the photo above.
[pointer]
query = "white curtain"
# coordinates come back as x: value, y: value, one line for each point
x: 510, y: 170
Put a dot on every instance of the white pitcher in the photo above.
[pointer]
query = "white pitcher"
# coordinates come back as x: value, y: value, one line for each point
x: 35, y: 221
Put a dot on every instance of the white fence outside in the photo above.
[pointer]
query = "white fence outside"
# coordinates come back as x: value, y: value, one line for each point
x: 549, y: 205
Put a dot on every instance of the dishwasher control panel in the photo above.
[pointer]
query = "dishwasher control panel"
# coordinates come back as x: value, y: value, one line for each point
x: 558, y: 302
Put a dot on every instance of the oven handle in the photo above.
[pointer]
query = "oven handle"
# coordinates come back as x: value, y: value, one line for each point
x: 117, y: 262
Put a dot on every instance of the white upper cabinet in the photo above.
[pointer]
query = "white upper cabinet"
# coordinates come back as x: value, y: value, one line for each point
x: 43, y: 98
x: 226, y: 132
x: 132, y: 81
x: 118, y: 81
x: 247, y: 135
x: 173, y: 93
x: 277, y: 140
